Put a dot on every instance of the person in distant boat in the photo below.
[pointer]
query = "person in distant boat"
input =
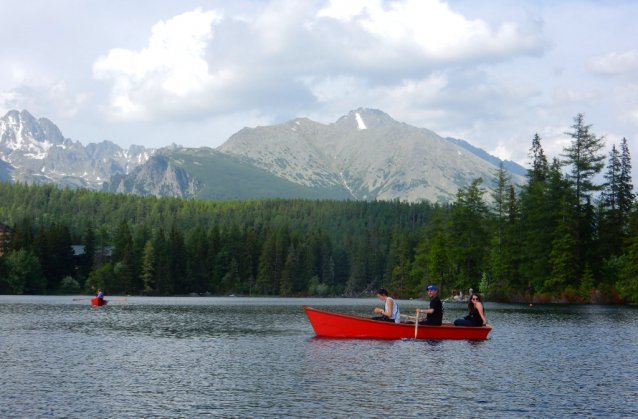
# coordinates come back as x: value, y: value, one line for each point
x: 100, y: 294
x: 435, y: 312
x: 476, y: 317
x: 391, y: 312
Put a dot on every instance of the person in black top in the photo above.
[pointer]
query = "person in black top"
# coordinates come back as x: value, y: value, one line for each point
x: 476, y: 317
x: 435, y: 312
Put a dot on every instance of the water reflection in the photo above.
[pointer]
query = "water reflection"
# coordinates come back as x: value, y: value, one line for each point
x: 188, y: 357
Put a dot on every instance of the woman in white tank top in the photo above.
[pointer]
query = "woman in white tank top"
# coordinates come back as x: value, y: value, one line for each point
x: 391, y: 312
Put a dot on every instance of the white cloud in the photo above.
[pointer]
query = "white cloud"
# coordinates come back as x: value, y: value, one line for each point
x: 293, y: 56
x: 615, y: 62
x: 440, y: 33
x: 174, y: 63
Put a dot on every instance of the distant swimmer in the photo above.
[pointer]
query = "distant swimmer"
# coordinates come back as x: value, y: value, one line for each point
x: 391, y: 312
x: 476, y: 317
x: 435, y: 312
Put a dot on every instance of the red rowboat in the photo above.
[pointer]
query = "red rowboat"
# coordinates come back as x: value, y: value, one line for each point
x: 339, y: 325
x: 98, y: 302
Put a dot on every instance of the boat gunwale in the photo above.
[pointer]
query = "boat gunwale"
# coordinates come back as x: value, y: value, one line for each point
x: 380, y: 322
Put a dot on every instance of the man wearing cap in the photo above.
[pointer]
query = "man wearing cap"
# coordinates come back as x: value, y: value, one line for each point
x: 435, y: 312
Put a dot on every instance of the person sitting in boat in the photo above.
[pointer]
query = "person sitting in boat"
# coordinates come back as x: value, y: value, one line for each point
x: 100, y: 294
x: 476, y: 317
x: 391, y: 312
x: 435, y: 312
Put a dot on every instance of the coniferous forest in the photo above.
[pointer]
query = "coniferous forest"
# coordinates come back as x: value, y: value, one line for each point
x: 569, y: 233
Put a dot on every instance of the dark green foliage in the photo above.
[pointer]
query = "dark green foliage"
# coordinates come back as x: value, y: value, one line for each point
x: 545, y: 236
x: 87, y: 259
x: 469, y: 236
x: 21, y: 273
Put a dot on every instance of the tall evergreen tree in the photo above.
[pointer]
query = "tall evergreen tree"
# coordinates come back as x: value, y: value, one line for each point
x: 540, y: 166
x: 469, y: 236
x: 626, y: 196
x: 562, y: 258
x: 148, y: 268
x: 87, y: 258
x: 586, y: 161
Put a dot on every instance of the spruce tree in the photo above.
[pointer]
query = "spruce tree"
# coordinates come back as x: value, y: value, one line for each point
x: 87, y: 258
x: 586, y: 161
x: 540, y: 166
x: 626, y: 196
x: 562, y: 258
x: 148, y: 268
x: 469, y: 236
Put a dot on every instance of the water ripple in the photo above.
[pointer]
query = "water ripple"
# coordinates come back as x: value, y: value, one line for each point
x: 240, y: 357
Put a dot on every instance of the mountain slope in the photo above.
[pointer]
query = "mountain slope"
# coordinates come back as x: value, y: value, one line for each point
x: 207, y: 174
x: 371, y: 154
x: 509, y: 165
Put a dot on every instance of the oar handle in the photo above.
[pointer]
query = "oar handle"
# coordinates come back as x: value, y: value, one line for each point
x: 409, y: 317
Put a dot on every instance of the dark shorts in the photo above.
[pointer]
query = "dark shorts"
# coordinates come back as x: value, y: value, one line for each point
x: 383, y: 319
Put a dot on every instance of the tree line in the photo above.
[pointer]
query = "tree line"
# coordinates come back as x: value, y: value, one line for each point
x: 567, y: 233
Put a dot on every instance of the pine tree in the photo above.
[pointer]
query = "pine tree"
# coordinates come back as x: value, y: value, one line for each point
x: 439, y: 262
x: 122, y: 239
x: 586, y: 161
x: 231, y: 280
x: 87, y: 258
x: 626, y: 196
x: 469, y: 237
x: 290, y: 273
x: 177, y: 261
x: 148, y: 268
x: 538, y: 172
x: 267, y: 273
x: 562, y: 258
x: 586, y: 283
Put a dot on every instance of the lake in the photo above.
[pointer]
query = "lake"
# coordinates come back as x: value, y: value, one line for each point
x: 258, y: 357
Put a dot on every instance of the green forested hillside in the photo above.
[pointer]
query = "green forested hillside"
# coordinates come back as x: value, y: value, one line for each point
x: 559, y: 237
x: 217, y: 176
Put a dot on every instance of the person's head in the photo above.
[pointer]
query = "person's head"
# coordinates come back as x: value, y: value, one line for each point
x: 99, y: 290
x: 432, y: 291
x: 474, y: 298
x: 383, y: 293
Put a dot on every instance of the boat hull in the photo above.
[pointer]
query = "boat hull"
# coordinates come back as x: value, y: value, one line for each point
x: 326, y: 323
x: 98, y: 302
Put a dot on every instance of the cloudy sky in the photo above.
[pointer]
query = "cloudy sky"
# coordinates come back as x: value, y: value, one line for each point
x: 195, y: 72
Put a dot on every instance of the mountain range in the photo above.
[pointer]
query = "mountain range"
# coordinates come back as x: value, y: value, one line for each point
x: 34, y: 150
x: 364, y: 155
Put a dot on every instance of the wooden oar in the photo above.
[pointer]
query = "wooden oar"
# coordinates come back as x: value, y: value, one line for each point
x: 416, y: 324
x: 121, y: 299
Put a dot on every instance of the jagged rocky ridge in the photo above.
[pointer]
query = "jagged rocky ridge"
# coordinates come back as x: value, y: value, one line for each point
x: 363, y: 155
x: 34, y: 150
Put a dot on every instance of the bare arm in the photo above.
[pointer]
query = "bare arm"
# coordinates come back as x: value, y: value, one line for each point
x: 479, y: 307
x: 385, y: 313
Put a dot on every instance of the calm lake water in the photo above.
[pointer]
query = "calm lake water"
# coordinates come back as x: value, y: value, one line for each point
x: 259, y: 357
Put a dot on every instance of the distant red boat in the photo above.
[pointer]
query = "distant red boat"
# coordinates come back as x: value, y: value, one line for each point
x: 339, y: 325
x: 98, y: 302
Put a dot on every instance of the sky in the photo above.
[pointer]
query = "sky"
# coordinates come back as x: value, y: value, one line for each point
x: 491, y: 72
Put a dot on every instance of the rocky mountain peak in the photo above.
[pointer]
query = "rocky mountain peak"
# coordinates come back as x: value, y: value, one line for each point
x: 36, y: 151
x: 364, y: 118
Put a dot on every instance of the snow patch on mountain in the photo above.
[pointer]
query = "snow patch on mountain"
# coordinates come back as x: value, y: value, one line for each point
x: 360, y: 123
